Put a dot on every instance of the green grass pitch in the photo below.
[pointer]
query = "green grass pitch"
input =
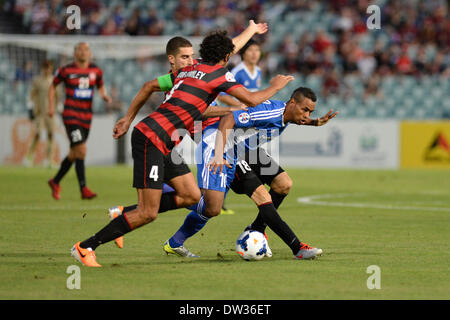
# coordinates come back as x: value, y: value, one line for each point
x: 396, y: 220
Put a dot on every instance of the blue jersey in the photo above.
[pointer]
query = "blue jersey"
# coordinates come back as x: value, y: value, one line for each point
x: 252, y: 81
x: 260, y: 123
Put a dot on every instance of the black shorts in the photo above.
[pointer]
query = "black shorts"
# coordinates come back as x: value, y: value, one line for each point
x: 151, y: 167
x: 255, y: 169
x: 76, y: 134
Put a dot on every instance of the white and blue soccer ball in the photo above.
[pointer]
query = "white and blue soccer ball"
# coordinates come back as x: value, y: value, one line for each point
x: 251, y: 245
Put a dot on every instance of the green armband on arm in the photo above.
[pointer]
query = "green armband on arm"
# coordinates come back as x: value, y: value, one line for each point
x: 165, y: 82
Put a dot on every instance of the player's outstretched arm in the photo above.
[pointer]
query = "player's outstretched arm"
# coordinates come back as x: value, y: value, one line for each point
x: 252, y: 29
x: 215, y: 111
x: 252, y: 99
x: 139, y: 100
x: 226, y: 125
x: 229, y: 101
x: 322, y: 120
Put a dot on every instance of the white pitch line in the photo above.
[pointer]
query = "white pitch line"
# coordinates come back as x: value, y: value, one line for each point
x: 311, y: 200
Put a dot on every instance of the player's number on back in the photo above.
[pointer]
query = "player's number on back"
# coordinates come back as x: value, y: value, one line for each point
x: 154, y: 173
x: 175, y: 87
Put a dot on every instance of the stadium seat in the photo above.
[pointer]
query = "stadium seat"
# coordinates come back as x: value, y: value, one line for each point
x: 314, y: 82
x: 360, y: 112
x: 400, y: 113
x: 366, y: 42
x: 170, y: 6
x: 437, y: 92
x: 381, y: 111
x: 420, y: 113
x: 171, y: 28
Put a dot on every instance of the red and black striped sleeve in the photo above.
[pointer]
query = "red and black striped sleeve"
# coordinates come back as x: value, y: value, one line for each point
x: 60, y: 76
x: 99, y: 80
x: 222, y: 80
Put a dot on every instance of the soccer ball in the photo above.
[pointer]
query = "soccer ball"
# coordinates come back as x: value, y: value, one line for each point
x: 251, y: 245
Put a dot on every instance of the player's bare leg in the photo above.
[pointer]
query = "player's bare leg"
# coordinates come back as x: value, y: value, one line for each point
x: 281, y: 184
x: 77, y: 151
x: 183, y: 196
x: 186, y: 196
x: 146, y: 212
x: 213, y: 202
x: 261, y: 196
x: 147, y: 209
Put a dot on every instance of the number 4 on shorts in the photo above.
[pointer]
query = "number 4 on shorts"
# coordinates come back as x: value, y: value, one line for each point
x: 154, y: 173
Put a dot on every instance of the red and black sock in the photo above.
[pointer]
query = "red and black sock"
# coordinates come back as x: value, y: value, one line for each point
x: 259, y: 223
x: 119, y: 226
x: 129, y: 208
x: 168, y: 202
x: 79, y: 168
x: 271, y: 217
x: 116, y: 228
x: 277, y: 198
x: 66, y: 164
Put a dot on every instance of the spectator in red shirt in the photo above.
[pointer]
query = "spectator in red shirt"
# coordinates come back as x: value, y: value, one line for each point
x: 109, y: 28
x: 330, y: 84
x: 404, y: 64
x: 322, y: 42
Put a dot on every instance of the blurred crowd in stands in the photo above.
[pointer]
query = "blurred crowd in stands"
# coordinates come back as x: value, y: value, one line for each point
x: 416, y: 32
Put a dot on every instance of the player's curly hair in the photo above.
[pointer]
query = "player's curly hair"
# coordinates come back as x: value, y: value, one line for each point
x: 216, y: 46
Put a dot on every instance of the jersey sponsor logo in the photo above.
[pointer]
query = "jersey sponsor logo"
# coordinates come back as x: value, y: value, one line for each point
x: 83, y: 83
x: 82, y: 93
x: 244, y: 117
x: 229, y: 77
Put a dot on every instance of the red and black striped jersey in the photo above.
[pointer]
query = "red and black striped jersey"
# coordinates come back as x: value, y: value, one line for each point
x: 79, y: 86
x: 195, y: 88
x: 206, y: 122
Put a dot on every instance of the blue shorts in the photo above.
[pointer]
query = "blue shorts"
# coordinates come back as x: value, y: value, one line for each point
x: 204, y: 154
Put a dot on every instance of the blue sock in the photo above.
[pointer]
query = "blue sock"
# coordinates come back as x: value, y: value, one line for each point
x: 193, y: 223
